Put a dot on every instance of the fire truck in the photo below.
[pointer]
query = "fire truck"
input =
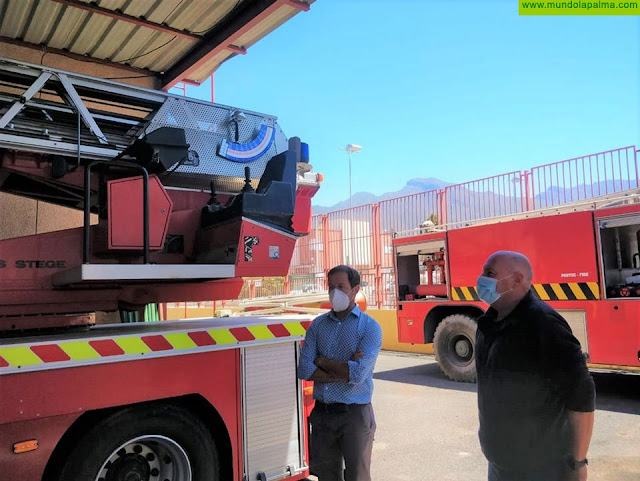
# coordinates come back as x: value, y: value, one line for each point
x: 578, y: 221
x: 180, y: 200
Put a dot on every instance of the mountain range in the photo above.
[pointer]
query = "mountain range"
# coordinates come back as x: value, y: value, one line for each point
x: 412, y: 186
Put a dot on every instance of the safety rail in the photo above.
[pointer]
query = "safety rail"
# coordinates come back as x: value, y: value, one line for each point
x: 402, y: 213
x: 493, y: 196
x: 586, y: 177
x: 612, y: 200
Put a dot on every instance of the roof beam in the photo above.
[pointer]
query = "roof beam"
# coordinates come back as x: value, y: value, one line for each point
x: 76, y: 56
x: 93, y: 8
x: 298, y: 4
x: 223, y: 37
x: 236, y: 49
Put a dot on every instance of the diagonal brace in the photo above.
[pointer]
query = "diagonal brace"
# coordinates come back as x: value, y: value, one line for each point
x: 19, y: 104
x: 75, y: 99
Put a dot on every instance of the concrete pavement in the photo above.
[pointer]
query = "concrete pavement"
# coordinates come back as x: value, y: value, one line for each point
x: 427, y: 425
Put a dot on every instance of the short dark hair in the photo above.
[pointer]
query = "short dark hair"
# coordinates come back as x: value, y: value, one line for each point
x: 352, y: 274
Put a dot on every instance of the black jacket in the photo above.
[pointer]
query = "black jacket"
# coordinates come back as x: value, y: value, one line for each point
x: 531, y: 370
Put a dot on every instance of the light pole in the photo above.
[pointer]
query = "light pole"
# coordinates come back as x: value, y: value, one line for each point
x: 351, y: 149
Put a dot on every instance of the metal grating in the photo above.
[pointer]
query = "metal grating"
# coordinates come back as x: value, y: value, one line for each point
x: 205, y: 127
x: 272, y: 411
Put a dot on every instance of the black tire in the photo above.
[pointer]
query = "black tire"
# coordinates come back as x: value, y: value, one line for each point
x: 454, y: 345
x: 137, y: 441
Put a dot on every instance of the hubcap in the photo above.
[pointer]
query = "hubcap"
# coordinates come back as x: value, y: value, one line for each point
x: 461, y: 349
x: 147, y: 458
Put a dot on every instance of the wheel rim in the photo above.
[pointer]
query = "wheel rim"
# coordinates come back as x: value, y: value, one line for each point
x: 461, y: 349
x: 147, y: 458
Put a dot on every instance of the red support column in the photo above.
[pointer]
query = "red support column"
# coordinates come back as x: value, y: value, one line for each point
x: 326, y: 256
x: 442, y: 206
x: 530, y: 201
x: 287, y: 284
x: 377, y: 253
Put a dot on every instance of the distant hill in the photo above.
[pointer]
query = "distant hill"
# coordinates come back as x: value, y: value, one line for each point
x: 412, y: 186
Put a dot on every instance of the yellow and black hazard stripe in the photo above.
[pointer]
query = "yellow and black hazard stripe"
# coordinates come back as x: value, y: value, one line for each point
x: 567, y: 291
x: 464, y: 294
x: 563, y: 291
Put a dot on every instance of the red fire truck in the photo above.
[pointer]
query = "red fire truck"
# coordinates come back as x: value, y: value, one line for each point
x: 181, y: 199
x: 578, y: 221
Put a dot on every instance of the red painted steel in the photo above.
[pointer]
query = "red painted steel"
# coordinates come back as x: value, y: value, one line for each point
x: 125, y: 220
x: 31, y: 465
x: 62, y: 394
x: 556, y: 245
x: 302, y: 214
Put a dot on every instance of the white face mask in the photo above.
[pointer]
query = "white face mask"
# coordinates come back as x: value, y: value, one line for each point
x: 339, y: 300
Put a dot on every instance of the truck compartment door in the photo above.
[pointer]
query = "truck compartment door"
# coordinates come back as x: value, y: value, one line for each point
x: 273, y: 416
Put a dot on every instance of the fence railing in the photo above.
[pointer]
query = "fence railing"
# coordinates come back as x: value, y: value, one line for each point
x: 583, y: 178
x: 362, y: 236
x: 485, y: 198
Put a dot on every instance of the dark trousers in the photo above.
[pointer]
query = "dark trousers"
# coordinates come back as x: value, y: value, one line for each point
x: 558, y: 471
x: 342, y: 433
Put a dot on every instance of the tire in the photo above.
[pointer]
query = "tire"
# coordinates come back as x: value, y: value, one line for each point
x: 158, y: 442
x: 454, y: 345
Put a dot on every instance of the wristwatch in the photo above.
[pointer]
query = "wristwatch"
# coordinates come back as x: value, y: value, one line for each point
x: 575, y: 465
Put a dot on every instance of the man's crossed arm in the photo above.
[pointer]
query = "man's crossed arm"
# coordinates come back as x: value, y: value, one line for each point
x: 330, y: 370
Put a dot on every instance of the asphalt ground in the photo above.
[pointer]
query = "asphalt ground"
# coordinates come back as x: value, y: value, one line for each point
x: 427, y: 425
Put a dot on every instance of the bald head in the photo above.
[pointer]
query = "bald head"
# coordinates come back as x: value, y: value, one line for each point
x: 512, y: 262
x: 513, y: 274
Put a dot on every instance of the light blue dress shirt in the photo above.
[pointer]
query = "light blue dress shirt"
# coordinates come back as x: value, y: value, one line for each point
x: 338, y: 339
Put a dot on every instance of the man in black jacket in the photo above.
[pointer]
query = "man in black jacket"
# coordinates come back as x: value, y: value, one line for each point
x: 535, y: 394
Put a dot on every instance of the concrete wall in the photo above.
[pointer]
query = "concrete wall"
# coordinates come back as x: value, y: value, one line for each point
x: 20, y: 216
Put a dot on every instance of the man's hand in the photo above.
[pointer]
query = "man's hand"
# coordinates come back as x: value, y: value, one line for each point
x: 320, y: 375
x: 340, y: 370
x: 357, y: 355
x: 320, y: 361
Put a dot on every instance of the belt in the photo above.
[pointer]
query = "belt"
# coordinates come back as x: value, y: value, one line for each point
x: 335, y: 408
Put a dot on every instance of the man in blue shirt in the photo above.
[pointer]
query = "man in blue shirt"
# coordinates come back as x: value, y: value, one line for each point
x: 339, y: 354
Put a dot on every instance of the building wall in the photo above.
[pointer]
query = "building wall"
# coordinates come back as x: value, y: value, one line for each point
x: 20, y: 216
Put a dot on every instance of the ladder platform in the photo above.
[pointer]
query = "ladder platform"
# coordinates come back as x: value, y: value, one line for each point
x: 141, y: 272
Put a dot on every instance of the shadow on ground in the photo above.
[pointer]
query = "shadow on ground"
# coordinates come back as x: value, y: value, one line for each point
x: 428, y: 374
x: 617, y: 392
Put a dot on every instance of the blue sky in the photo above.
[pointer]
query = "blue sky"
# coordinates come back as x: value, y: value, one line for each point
x: 456, y: 89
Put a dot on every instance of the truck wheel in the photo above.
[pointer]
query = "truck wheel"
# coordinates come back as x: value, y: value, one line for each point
x: 157, y: 443
x: 454, y: 344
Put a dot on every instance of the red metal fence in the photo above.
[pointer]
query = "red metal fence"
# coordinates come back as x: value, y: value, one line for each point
x: 584, y: 178
x: 361, y: 236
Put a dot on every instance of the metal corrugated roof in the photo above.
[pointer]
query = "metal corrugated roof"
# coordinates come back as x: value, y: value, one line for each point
x: 176, y: 39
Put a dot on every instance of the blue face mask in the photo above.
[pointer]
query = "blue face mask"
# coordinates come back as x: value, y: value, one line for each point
x: 486, y: 287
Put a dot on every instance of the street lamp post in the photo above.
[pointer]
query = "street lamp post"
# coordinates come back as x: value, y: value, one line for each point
x: 351, y: 149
